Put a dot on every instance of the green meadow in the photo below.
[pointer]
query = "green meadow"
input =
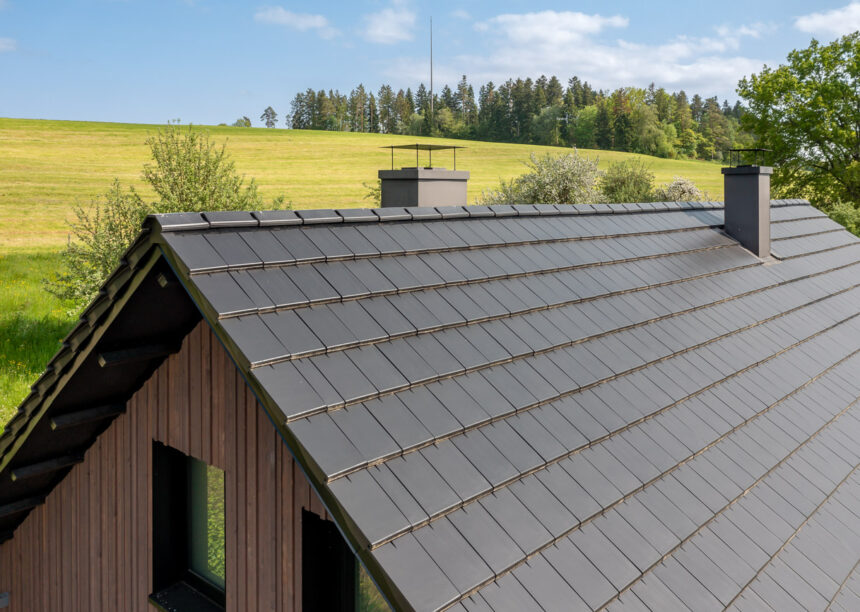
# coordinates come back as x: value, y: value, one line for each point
x: 49, y: 167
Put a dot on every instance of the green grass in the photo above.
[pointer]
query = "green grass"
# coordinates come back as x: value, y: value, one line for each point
x: 47, y: 167
x: 31, y: 323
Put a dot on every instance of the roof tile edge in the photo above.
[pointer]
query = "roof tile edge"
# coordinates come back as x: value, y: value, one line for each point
x: 176, y: 222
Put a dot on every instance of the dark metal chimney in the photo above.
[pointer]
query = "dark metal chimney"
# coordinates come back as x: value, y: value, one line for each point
x: 423, y: 185
x: 747, y: 210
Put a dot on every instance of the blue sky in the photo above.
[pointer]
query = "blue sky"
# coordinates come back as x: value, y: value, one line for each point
x: 211, y: 61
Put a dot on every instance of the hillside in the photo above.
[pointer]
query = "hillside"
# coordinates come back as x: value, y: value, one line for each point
x: 46, y: 167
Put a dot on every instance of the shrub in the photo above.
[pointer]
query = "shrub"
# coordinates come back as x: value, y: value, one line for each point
x: 191, y: 174
x: 628, y: 181
x: 373, y: 192
x: 679, y: 190
x: 564, y: 179
x: 99, y: 237
x: 188, y: 174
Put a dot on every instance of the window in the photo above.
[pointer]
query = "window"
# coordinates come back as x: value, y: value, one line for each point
x: 332, y: 579
x: 189, y: 558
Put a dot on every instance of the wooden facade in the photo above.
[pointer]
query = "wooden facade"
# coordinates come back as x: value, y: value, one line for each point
x: 88, y: 547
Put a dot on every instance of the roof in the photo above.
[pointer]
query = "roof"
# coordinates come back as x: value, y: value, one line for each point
x: 527, y: 407
x: 420, y: 146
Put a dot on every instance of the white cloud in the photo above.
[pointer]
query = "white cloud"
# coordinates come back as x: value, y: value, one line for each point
x: 458, y: 14
x: 390, y: 25
x: 832, y: 23
x: 302, y: 22
x: 550, y: 27
x: 572, y: 43
x: 7, y: 44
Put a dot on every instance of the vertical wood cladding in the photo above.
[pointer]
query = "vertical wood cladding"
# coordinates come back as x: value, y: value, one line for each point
x: 88, y: 547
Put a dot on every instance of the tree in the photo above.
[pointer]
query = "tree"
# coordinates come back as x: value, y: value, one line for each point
x: 386, y: 109
x: 584, y: 129
x: 808, y: 112
x: 188, y: 173
x: 269, y: 117
x: 603, y: 127
x: 242, y: 122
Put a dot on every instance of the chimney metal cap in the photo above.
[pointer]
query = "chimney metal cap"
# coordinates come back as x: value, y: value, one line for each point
x: 420, y: 146
x: 735, y: 156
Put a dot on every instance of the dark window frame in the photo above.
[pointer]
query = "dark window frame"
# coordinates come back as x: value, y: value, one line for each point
x: 176, y: 587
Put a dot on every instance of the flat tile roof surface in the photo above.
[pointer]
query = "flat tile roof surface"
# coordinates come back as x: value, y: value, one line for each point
x: 558, y: 408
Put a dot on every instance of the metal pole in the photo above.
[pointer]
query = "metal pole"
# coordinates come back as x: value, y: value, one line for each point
x: 430, y: 152
x: 416, y: 156
x: 455, y: 158
x: 431, y: 76
x: 392, y: 158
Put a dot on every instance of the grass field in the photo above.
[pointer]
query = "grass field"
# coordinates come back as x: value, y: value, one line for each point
x: 47, y: 167
x: 31, y: 322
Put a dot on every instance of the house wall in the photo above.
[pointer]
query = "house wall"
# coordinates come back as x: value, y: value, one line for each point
x: 88, y: 547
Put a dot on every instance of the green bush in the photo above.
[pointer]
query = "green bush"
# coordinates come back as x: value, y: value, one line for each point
x: 100, y: 235
x: 628, y: 181
x: 188, y: 174
x: 562, y: 179
x: 373, y: 192
x: 679, y: 190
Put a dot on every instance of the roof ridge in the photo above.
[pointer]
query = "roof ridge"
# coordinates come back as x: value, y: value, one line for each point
x: 174, y: 222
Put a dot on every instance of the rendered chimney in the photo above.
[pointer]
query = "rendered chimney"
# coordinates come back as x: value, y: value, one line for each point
x: 423, y: 185
x: 747, y: 211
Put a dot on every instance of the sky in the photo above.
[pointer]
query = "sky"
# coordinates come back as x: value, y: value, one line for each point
x: 212, y: 61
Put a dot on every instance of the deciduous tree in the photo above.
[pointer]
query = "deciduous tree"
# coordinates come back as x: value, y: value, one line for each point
x: 808, y: 112
x: 269, y: 117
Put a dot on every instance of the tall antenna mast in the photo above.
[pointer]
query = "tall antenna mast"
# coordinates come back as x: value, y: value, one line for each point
x: 431, y: 75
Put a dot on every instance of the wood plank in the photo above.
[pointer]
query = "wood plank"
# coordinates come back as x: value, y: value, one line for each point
x: 95, y: 527
x: 195, y: 416
x: 206, y: 395
x: 162, y: 404
x: 300, y: 501
x: 83, y: 484
x: 182, y: 402
x: 125, y: 484
x: 67, y: 539
x: 242, y: 468
x: 109, y: 500
x: 288, y: 510
x: 266, y: 509
x: 224, y: 448
x: 173, y: 418
x: 146, y: 493
x: 252, y: 496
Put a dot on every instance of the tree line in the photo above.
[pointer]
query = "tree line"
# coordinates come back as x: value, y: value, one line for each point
x: 542, y: 111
